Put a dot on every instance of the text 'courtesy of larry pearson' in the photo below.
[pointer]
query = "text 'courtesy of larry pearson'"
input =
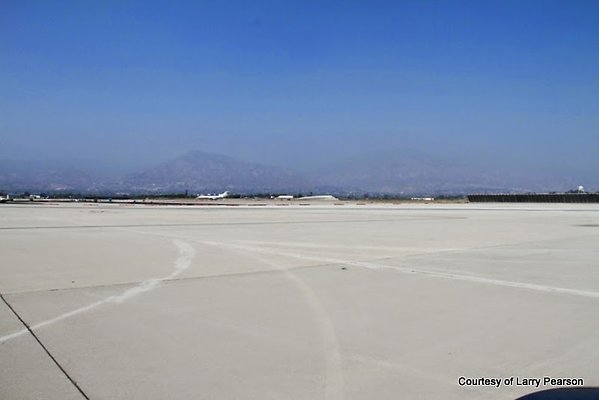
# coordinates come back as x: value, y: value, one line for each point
x: 511, y: 381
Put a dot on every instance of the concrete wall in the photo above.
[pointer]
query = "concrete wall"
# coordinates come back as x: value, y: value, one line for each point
x: 535, y: 198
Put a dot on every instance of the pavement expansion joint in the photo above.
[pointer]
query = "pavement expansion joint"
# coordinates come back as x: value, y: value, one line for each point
x: 37, y: 339
x: 183, y: 279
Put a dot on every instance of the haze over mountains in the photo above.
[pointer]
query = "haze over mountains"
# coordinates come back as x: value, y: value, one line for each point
x: 398, y: 172
x: 198, y: 171
x: 310, y: 96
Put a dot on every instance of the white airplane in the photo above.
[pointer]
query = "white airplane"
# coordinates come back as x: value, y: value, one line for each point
x: 4, y: 199
x: 284, y: 197
x: 213, y: 196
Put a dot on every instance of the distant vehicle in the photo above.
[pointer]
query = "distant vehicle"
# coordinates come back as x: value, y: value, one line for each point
x: 4, y: 199
x: 284, y: 197
x: 213, y: 196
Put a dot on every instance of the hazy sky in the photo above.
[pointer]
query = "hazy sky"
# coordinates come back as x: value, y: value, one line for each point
x: 280, y: 80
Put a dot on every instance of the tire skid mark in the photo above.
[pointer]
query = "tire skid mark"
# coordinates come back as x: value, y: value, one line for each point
x: 183, y: 262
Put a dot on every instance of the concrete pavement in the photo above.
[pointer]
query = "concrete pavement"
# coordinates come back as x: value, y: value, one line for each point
x: 297, y: 302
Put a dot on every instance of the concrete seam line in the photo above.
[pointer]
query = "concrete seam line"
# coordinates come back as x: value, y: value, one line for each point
x: 45, y: 349
x: 6, y: 228
x: 173, y: 280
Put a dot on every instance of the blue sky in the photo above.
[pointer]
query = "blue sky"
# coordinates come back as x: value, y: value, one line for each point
x: 301, y: 81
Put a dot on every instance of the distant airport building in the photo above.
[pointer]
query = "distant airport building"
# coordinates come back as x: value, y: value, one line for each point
x: 319, y: 197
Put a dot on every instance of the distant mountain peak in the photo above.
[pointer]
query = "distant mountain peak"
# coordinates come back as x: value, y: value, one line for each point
x: 395, y: 171
x: 201, y: 171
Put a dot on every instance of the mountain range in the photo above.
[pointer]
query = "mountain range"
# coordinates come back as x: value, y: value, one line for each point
x: 399, y: 172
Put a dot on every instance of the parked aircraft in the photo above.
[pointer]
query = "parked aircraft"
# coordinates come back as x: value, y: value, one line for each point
x: 213, y: 196
x: 4, y: 199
